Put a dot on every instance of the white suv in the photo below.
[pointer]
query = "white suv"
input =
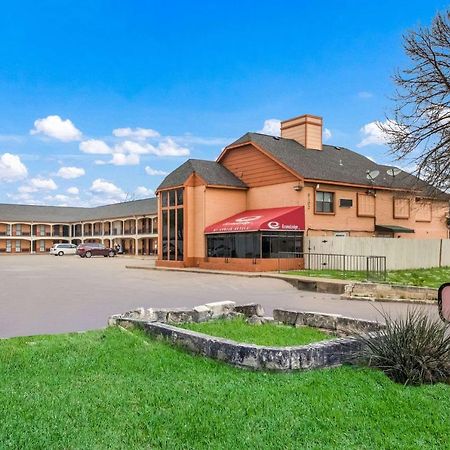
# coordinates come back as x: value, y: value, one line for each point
x: 63, y: 249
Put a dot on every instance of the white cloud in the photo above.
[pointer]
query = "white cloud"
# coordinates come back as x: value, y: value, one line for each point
x: 95, y: 147
x: 108, y: 190
x: 169, y: 147
x: 139, y: 134
x: 57, y: 128
x: 12, y: 168
x: 271, y: 127
x: 327, y: 134
x: 73, y: 190
x: 122, y: 159
x: 70, y: 173
x: 38, y: 184
x: 372, y: 133
x: 128, y: 152
x: 62, y: 200
x: 150, y: 171
x: 365, y: 95
x: 143, y: 192
x: 134, y: 147
x: 26, y: 198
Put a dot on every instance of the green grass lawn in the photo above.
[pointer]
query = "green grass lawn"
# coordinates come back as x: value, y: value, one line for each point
x: 433, y: 277
x: 112, y: 389
x: 268, y: 334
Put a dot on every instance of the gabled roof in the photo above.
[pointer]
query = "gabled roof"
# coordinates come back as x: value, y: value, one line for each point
x: 66, y: 214
x: 332, y: 163
x: 211, y: 172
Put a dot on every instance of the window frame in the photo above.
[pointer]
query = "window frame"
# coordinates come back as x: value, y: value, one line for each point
x: 333, y: 202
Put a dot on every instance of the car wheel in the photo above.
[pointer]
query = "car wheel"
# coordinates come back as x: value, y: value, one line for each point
x: 88, y: 254
x: 111, y: 254
x: 60, y: 253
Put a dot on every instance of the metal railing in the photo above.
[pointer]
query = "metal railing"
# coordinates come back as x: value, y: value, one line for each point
x: 373, y: 267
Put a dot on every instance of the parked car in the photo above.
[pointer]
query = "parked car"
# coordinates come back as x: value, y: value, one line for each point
x: 63, y: 249
x: 94, y: 249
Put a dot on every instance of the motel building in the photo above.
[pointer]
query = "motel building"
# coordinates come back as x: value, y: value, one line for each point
x: 34, y: 229
x: 254, y: 205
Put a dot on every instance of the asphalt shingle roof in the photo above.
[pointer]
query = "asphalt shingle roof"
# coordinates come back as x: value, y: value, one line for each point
x: 211, y: 171
x: 57, y: 214
x: 332, y: 163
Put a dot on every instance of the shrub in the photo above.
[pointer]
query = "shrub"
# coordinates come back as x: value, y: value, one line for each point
x: 413, y: 349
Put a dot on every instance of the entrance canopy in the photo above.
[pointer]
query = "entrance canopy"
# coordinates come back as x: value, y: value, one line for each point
x: 273, y: 219
x: 393, y: 229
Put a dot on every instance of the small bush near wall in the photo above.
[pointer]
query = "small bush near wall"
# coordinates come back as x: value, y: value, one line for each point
x: 413, y: 349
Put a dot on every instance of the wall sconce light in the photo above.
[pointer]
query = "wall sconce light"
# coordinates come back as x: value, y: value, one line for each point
x: 317, y: 187
x: 298, y: 187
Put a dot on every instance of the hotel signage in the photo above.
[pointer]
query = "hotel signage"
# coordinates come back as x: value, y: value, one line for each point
x: 273, y: 219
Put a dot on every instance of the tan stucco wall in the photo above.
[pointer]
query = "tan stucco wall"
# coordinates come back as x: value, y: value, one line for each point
x: 206, y: 206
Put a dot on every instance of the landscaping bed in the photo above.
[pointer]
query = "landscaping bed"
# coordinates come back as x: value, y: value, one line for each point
x: 269, y: 334
x: 117, y: 389
x: 178, y: 327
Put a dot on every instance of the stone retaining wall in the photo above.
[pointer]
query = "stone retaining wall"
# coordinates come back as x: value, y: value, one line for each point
x: 161, y: 323
x: 313, y: 356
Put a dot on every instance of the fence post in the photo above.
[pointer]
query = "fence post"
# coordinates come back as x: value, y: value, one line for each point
x: 367, y: 267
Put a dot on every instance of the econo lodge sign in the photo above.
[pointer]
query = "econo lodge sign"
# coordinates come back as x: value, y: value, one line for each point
x: 273, y: 219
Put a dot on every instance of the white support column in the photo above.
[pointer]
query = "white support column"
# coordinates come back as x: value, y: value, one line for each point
x: 136, y: 249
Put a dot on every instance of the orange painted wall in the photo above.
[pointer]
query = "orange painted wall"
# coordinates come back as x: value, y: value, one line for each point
x: 206, y: 205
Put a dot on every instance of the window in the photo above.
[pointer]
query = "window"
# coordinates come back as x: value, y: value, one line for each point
x: 365, y: 205
x: 164, y: 198
x: 8, y: 246
x: 401, y: 208
x: 42, y: 246
x: 18, y: 246
x: 255, y: 245
x: 324, y: 202
x: 172, y: 214
x: 41, y: 230
x: 18, y: 229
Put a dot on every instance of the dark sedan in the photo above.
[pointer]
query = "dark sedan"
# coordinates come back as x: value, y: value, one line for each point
x: 93, y: 249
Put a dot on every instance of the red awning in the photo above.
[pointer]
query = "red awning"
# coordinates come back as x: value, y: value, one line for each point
x: 273, y: 219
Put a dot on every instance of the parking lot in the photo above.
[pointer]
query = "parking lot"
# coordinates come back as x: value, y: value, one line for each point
x: 48, y: 294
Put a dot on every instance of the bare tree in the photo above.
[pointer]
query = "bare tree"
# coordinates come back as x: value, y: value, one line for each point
x: 419, y: 130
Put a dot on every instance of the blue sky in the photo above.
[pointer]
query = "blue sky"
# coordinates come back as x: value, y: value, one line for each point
x: 98, y: 99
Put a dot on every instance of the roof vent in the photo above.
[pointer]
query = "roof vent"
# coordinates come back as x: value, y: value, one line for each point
x: 277, y: 138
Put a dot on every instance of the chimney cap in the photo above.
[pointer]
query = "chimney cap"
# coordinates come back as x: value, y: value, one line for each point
x: 301, y: 117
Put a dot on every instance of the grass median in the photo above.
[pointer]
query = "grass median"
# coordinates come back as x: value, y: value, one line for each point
x: 116, y: 389
x: 433, y: 277
x: 270, y: 334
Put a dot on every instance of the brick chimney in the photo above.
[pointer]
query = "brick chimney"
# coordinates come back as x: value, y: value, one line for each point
x: 306, y: 129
